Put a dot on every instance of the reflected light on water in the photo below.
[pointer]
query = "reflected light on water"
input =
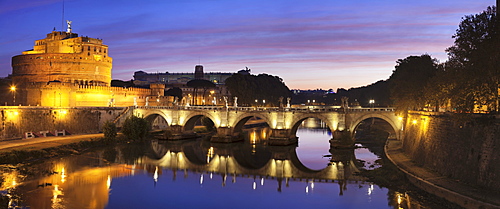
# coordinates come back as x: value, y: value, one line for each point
x: 56, y: 201
x: 370, y: 189
x: 108, y: 182
x: 155, y: 176
x: 210, y: 154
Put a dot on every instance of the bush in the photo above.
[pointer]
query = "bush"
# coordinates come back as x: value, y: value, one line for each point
x: 135, y: 128
x: 109, y: 130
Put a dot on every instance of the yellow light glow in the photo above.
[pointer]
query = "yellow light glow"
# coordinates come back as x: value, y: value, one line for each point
x: 12, y: 114
x: 414, y: 121
x: 108, y: 182
x: 12, y: 88
x: 63, y: 175
x: 155, y: 176
x: 400, y: 118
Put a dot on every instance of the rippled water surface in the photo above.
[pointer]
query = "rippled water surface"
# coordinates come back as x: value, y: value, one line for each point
x: 200, y: 174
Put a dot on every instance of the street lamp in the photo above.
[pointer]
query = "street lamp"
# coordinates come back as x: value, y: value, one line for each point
x: 372, y: 102
x: 13, y: 90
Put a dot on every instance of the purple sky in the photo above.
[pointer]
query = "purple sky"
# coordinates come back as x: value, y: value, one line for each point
x: 310, y: 44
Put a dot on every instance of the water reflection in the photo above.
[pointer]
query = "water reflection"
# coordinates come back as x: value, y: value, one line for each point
x: 170, y: 174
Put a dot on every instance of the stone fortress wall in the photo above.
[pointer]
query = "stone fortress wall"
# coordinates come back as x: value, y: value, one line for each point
x: 65, y: 57
x: 18, y: 121
x: 460, y: 147
x: 67, y: 70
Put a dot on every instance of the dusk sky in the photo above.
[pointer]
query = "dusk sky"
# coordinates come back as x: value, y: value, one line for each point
x: 310, y: 44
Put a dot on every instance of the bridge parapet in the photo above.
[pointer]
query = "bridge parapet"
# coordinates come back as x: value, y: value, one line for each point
x: 271, y: 109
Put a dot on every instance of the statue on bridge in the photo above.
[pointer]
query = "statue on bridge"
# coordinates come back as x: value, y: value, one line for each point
x: 225, y: 101
x: 345, y: 103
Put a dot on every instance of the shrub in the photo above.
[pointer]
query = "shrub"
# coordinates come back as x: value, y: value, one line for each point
x: 109, y: 130
x: 135, y: 128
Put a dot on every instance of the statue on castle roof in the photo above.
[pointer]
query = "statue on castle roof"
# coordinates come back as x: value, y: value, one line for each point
x: 68, y: 22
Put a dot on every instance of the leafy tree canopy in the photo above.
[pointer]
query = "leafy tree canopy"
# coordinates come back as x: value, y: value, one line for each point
x: 474, y: 62
x: 249, y: 88
x: 175, y: 92
x: 408, y: 80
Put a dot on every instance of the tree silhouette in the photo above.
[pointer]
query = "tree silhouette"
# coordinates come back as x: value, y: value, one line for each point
x: 408, y: 80
x: 175, y: 92
x: 474, y: 62
x: 249, y: 88
x: 200, y: 83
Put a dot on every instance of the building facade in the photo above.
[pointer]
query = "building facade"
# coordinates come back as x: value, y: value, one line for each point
x: 68, y: 70
x: 213, y: 96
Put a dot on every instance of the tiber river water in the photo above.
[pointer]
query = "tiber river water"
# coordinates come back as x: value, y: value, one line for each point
x: 200, y: 174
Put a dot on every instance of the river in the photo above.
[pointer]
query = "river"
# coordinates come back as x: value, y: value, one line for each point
x: 201, y: 174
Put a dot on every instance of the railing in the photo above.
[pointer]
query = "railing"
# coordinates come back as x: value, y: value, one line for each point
x: 270, y: 109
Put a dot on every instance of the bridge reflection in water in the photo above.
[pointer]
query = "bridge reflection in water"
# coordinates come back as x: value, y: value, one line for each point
x: 243, y: 160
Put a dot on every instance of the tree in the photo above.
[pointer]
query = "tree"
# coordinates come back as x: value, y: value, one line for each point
x: 135, y: 128
x: 408, y: 80
x: 109, y: 130
x: 200, y: 83
x: 249, y: 88
x: 474, y: 62
x: 175, y: 92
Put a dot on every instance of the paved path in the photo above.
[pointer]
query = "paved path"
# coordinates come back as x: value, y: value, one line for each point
x: 44, y: 142
x: 453, y: 191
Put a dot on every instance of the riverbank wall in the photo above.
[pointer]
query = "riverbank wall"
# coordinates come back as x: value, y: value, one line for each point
x: 30, y: 122
x: 462, y: 147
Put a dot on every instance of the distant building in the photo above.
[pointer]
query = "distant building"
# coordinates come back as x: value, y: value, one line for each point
x: 142, y: 78
x: 66, y: 70
x: 180, y: 80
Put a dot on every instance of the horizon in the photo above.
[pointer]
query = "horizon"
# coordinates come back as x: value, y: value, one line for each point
x: 313, y: 45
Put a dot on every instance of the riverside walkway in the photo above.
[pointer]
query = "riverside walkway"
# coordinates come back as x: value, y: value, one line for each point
x: 45, y: 142
x: 449, y: 189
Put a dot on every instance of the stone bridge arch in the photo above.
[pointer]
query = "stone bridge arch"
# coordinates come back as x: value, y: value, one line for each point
x: 242, y: 118
x: 190, y: 120
x: 299, y: 118
x: 156, y: 114
x: 388, y: 117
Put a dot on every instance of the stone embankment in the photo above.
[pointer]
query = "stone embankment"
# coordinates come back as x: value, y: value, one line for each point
x: 453, y: 156
x: 30, y: 122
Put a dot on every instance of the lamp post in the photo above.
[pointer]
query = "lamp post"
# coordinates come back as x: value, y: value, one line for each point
x: 372, y: 102
x: 13, y: 90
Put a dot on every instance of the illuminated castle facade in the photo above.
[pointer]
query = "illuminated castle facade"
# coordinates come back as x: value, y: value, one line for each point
x: 66, y: 70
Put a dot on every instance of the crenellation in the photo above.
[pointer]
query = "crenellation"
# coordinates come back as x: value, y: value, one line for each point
x: 68, y: 70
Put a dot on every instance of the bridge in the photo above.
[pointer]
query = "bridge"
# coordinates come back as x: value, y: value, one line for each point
x: 284, y: 122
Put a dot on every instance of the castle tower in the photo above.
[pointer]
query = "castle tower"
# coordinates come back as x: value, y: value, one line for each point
x: 198, y: 72
x: 65, y: 57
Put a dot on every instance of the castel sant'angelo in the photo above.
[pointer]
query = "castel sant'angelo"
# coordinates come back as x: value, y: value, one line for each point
x: 68, y: 70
